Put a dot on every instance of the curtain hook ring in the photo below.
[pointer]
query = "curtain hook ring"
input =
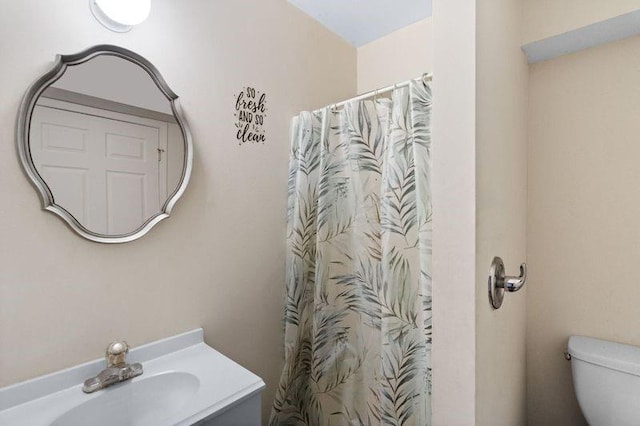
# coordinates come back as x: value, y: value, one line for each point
x: 375, y: 96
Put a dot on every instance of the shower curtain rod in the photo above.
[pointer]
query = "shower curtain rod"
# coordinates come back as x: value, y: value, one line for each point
x: 425, y: 77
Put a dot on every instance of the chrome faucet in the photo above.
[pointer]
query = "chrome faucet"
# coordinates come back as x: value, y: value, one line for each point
x: 117, y: 369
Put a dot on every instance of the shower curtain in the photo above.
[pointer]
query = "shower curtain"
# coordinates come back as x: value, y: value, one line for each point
x: 358, y: 288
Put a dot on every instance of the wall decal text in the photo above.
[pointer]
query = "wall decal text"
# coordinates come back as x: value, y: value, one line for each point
x: 251, y: 110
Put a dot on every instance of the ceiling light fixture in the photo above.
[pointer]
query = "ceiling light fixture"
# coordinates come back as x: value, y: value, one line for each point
x: 120, y: 15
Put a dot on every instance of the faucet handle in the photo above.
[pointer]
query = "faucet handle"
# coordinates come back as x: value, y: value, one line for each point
x: 116, y: 353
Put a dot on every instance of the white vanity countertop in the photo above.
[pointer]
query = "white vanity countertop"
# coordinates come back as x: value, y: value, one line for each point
x: 223, y: 383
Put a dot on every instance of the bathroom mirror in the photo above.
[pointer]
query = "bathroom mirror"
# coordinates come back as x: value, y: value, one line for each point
x: 102, y: 138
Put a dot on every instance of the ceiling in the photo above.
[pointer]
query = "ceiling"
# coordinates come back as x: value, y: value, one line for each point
x: 362, y: 21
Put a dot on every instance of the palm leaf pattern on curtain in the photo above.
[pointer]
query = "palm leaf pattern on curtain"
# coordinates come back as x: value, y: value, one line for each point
x: 358, y: 290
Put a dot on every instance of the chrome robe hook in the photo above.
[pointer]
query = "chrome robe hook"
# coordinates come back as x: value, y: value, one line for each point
x: 499, y: 282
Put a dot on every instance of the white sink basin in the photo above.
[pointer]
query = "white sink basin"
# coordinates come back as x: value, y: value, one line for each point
x: 184, y: 382
x: 145, y: 401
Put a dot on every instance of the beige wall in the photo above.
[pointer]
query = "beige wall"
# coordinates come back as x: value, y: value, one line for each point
x: 399, y: 56
x: 480, y: 134
x: 546, y: 18
x: 583, y: 209
x: 218, y: 262
x: 501, y: 196
x: 454, y: 200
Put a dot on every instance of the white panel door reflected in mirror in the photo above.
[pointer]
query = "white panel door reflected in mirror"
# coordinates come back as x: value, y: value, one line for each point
x: 105, y: 145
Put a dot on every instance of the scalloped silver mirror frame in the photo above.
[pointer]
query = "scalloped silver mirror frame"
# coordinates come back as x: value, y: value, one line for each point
x: 23, y: 143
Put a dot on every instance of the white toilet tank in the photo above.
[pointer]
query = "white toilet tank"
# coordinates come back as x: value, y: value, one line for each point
x: 606, y: 379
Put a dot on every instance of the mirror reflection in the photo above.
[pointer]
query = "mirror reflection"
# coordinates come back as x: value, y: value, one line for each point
x: 104, y: 139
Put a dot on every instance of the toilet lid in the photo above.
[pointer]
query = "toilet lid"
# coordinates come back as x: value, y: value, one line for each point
x: 616, y: 356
